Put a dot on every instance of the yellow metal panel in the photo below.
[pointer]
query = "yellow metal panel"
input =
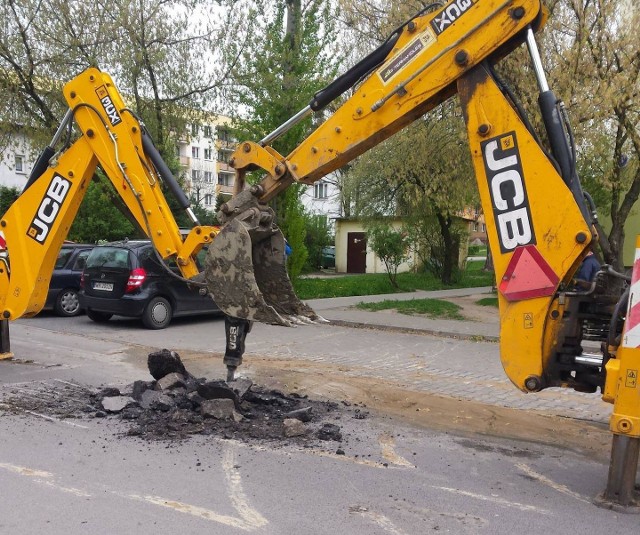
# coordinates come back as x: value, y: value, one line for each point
x: 35, y: 227
x: 425, y: 76
x: 113, y: 134
x: 557, y: 225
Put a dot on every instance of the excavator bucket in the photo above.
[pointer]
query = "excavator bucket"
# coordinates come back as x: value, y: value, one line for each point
x: 246, y: 275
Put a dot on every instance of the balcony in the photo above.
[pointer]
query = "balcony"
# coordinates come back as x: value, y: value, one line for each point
x: 225, y: 189
x: 185, y: 161
x: 224, y: 166
x: 223, y: 144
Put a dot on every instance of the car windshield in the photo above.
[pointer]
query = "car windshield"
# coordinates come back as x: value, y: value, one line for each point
x: 63, y: 256
x: 108, y: 257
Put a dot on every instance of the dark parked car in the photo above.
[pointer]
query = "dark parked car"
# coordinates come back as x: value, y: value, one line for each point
x: 128, y: 279
x: 65, y: 279
x: 328, y: 259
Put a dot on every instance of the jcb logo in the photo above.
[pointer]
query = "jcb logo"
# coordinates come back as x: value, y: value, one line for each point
x: 508, y: 193
x: 449, y: 14
x: 108, y: 105
x: 49, y: 209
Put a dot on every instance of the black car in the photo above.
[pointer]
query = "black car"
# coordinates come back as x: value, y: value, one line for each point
x: 65, y: 279
x: 128, y: 279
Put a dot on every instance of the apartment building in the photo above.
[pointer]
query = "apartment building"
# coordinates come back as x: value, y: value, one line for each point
x: 323, y: 199
x: 204, y: 150
x: 16, y: 161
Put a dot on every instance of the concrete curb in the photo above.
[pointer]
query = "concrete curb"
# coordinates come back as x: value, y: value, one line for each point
x: 409, y: 330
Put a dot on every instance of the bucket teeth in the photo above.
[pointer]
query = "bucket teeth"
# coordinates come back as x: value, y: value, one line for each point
x: 246, y: 275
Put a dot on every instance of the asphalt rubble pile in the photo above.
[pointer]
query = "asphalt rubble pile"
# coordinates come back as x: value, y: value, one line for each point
x: 176, y: 404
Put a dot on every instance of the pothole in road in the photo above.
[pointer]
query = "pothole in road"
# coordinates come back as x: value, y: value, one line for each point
x: 175, y: 405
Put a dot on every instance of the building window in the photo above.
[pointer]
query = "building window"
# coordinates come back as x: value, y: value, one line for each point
x: 225, y: 179
x: 195, y: 175
x: 224, y: 135
x: 20, y: 164
x: 482, y: 227
x: 208, y: 177
x: 320, y: 190
x: 208, y: 199
x: 223, y: 156
x: 195, y: 152
x: 195, y: 128
x: 207, y: 131
x: 207, y: 154
x: 178, y: 150
x: 475, y: 226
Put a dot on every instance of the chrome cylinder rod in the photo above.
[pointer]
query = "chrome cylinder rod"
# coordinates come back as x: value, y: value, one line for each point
x: 285, y: 127
x: 63, y: 125
x: 537, y: 61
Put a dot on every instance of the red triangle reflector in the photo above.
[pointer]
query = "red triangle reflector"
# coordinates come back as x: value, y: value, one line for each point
x: 528, y: 275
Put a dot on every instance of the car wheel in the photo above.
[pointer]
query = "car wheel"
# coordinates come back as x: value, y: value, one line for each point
x: 98, y: 317
x: 157, y: 314
x: 67, y: 303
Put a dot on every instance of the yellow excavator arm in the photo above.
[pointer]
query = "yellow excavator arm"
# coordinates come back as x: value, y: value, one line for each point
x: 540, y: 223
x: 37, y: 223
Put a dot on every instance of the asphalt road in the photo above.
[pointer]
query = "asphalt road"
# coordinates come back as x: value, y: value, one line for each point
x: 84, y: 476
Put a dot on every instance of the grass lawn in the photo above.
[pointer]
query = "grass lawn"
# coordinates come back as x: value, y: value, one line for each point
x: 435, y: 308
x: 374, y: 284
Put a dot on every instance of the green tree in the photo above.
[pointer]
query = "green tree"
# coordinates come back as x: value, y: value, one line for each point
x: 318, y: 236
x: 167, y: 68
x: 101, y: 215
x: 390, y: 245
x: 7, y: 197
x: 287, y: 62
x: 414, y: 175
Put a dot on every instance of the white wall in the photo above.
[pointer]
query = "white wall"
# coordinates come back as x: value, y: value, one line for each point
x: 374, y: 264
x: 9, y: 176
x: 328, y: 206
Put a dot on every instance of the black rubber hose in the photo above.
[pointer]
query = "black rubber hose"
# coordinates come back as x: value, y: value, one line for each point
x: 164, y: 171
x: 351, y: 77
x: 40, y: 166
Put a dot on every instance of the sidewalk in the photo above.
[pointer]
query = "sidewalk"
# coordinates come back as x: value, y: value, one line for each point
x: 464, y: 380
x: 342, y: 311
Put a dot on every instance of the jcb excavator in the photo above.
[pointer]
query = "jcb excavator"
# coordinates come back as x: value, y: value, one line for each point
x: 539, y: 221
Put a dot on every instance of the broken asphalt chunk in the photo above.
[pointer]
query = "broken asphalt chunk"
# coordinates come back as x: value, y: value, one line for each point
x: 329, y: 432
x: 220, y: 409
x: 153, y: 399
x: 218, y: 390
x: 303, y: 414
x: 164, y: 362
x: 116, y: 403
x: 241, y: 387
x: 170, y: 381
x: 292, y: 427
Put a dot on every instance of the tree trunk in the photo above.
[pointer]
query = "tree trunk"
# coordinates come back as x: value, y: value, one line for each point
x: 450, y: 250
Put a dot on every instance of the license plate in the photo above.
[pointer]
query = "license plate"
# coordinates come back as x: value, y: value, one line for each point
x: 105, y: 286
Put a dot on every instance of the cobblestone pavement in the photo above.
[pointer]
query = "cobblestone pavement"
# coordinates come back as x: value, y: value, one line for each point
x: 460, y: 368
x: 459, y: 359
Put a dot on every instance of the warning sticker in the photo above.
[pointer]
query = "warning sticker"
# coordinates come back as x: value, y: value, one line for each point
x: 528, y: 320
x: 632, y: 379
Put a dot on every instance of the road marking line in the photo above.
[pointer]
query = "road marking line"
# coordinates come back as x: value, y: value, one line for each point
x: 377, y: 518
x: 24, y: 471
x: 495, y: 499
x: 43, y: 478
x: 58, y: 420
x: 249, y: 519
x: 556, y: 486
x: 388, y: 444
